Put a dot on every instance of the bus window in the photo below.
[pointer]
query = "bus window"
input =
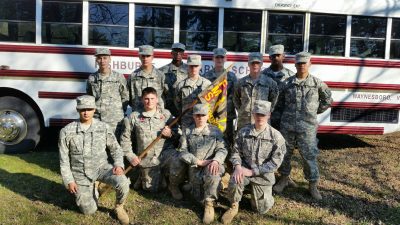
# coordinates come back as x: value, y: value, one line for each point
x: 286, y: 29
x: 327, y: 35
x: 395, y: 41
x: 154, y: 25
x: 242, y: 30
x: 199, y: 28
x: 17, y: 20
x: 108, y: 24
x: 368, y: 37
x: 62, y: 22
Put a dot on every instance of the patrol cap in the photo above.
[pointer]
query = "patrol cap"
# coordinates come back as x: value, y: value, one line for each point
x: 194, y: 60
x: 102, y: 51
x: 200, y: 109
x: 219, y: 51
x: 276, y: 50
x: 85, y: 102
x: 178, y: 46
x: 146, y: 50
x: 255, y: 57
x: 262, y: 107
x: 303, y: 57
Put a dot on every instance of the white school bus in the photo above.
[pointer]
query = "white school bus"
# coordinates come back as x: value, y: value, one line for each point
x: 47, y: 46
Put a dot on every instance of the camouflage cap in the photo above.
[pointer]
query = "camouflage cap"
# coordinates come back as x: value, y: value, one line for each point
x: 102, y: 51
x: 255, y: 57
x: 262, y: 107
x: 178, y: 46
x: 219, y: 51
x: 194, y: 60
x: 276, y: 50
x: 146, y: 50
x: 85, y: 102
x: 303, y: 57
x: 200, y: 109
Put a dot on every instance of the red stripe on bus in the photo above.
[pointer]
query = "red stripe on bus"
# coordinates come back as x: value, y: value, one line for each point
x: 365, y: 105
x: 58, y: 95
x: 205, y: 56
x: 56, y: 122
x: 349, y: 130
x: 372, y: 86
x: 43, y: 74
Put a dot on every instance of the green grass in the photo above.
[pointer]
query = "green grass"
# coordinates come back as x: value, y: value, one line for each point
x: 360, y: 183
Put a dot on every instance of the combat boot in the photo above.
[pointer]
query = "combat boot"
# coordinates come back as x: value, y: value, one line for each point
x: 231, y: 213
x: 208, y: 212
x: 121, y: 214
x: 313, y: 188
x: 283, y: 182
x: 175, y: 192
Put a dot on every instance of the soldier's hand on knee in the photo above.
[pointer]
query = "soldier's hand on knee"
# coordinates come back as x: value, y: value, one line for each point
x: 213, y: 167
x: 135, y: 161
x: 247, y: 172
x: 203, y: 163
x: 238, y: 174
x: 117, y: 170
x: 73, y: 188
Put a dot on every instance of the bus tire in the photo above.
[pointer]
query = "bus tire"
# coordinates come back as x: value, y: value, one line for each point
x: 19, y: 126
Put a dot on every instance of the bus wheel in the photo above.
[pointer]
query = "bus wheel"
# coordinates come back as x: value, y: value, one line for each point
x: 19, y: 126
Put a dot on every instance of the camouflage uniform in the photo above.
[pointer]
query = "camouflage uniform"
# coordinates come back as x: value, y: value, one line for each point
x: 261, y: 152
x: 83, y: 160
x: 207, y: 144
x: 140, y: 129
x: 173, y: 74
x: 111, y: 96
x: 212, y: 76
x: 186, y: 92
x: 299, y: 104
x: 246, y: 92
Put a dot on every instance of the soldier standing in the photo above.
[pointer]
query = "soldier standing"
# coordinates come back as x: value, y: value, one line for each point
x: 278, y: 73
x: 110, y: 91
x: 145, y: 76
x: 303, y: 97
x: 219, y: 59
x: 174, y: 72
x: 83, y: 160
x: 251, y: 88
x: 187, y: 90
x: 257, y: 153
x: 140, y: 129
x: 203, y: 149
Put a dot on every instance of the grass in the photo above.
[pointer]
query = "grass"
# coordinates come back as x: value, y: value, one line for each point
x: 360, y: 183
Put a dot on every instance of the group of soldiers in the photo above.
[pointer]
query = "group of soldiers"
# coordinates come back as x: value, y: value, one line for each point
x: 275, y: 109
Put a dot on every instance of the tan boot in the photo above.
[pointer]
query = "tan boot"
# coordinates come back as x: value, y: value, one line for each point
x: 231, y: 213
x: 313, y: 188
x: 208, y: 212
x: 283, y: 182
x: 175, y: 192
x: 121, y: 214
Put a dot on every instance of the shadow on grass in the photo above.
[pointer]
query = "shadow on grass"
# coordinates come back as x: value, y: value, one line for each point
x: 340, y: 141
x: 46, y: 160
x: 37, y: 188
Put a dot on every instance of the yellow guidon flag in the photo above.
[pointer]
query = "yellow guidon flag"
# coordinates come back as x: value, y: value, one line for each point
x: 216, y: 98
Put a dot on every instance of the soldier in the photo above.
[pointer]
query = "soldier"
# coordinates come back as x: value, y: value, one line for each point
x: 303, y: 97
x: 140, y: 129
x: 145, y: 76
x: 219, y: 60
x: 278, y: 73
x: 251, y: 88
x: 83, y: 160
x: 187, y: 90
x: 257, y: 153
x: 174, y: 72
x: 203, y: 149
x: 110, y: 91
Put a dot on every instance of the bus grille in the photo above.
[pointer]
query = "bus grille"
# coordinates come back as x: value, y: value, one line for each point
x: 364, y: 115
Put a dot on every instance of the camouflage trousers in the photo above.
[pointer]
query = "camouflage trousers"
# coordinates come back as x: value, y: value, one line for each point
x: 86, y: 198
x: 261, y: 195
x: 307, y: 142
